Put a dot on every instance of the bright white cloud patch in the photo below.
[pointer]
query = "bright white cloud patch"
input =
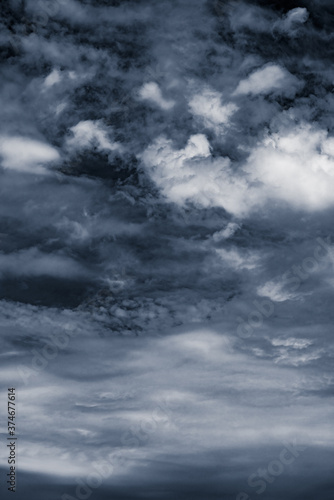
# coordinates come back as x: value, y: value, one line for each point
x: 191, y: 174
x: 26, y: 155
x: 162, y: 154
x: 208, y: 106
x: 296, y: 167
x: 90, y: 133
x: 152, y: 92
x: 270, y: 79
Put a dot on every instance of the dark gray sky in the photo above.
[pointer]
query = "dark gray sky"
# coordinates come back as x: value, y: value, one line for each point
x: 166, y: 208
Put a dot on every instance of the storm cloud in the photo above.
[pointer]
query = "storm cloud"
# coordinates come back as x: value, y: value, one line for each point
x: 166, y: 259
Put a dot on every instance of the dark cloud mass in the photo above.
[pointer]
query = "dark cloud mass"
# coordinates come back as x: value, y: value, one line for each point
x: 166, y: 259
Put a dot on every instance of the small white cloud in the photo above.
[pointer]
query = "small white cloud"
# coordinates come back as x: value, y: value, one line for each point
x: 152, y: 92
x: 53, y: 78
x: 226, y: 233
x: 274, y: 290
x: 90, y: 133
x: 298, y: 15
x: 208, y: 106
x: 239, y: 260
x: 292, y: 342
x: 292, y: 20
x: 26, y: 155
x: 269, y: 79
x: 162, y: 155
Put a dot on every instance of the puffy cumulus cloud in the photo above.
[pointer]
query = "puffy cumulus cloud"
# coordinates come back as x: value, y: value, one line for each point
x: 207, y: 105
x: 89, y: 134
x: 272, y: 78
x: 162, y: 155
x: 297, y: 167
x: 26, y: 154
x: 152, y: 92
x: 192, y: 175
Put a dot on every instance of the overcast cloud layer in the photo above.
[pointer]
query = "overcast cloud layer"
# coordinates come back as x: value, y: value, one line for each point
x: 167, y: 248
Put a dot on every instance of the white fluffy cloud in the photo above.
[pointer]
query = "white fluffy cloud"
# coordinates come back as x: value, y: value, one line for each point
x: 295, y: 167
x: 90, y: 133
x: 191, y: 174
x: 272, y: 78
x: 152, y: 92
x: 26, y: 155
x: 208, y: 106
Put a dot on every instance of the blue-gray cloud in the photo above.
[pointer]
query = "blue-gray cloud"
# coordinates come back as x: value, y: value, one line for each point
x: 166, y: 260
